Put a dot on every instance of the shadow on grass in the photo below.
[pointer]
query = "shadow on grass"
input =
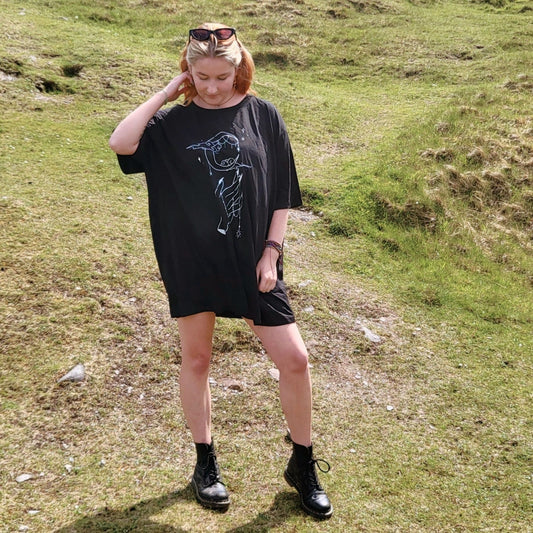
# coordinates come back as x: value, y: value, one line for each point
x: 133, y: 518
x: 285, y: 505
x: 137, y: 517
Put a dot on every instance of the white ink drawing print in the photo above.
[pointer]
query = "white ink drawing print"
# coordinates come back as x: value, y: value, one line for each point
x: 222, y: 153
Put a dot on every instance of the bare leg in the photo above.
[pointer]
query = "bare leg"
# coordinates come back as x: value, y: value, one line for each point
x: 286, y: 348
x: 196, y: 334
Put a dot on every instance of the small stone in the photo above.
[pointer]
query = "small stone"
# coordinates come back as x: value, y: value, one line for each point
x: 390, y: 408
x: 23, y: 477
x: 305, y: 283
x: 68, y: 468
x: 24, y: 528
x: 274, y: 373
x: 33, y: 512
x: 232, y: 384
x: 76, y: 374
x: 370, y: 335
x: 309, y: 309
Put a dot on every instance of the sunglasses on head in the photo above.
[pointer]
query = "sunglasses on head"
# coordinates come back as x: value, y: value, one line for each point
x: 202, y: 34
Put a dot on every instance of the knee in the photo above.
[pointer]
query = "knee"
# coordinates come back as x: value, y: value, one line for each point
x: 197, y: 361
x: 295, y: 361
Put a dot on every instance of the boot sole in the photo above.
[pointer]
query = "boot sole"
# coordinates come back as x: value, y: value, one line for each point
x: 312, y: 512
x: 221, y: 506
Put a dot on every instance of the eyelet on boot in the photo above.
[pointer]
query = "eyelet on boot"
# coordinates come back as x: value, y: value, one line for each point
x: 301, y: 474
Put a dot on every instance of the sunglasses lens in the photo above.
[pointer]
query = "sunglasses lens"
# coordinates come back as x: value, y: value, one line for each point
x: 224, y: 33
x: 200, y: 34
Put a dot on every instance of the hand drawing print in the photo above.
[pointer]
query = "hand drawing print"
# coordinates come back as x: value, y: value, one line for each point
x: 222, y: 153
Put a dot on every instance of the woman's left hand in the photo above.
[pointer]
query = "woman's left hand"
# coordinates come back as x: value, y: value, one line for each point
x: 266, y: 270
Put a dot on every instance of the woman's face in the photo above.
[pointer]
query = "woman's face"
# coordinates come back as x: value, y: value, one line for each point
x: 213, y: 78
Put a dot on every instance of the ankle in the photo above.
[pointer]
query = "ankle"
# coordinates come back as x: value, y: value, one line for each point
x: 301, y: 452
x: 204, y: 450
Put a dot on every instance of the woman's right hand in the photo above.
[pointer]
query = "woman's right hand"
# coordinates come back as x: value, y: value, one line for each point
x: 178, y: 85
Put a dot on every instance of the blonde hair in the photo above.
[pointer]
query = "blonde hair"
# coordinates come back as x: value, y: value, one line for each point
x: 231, y: 50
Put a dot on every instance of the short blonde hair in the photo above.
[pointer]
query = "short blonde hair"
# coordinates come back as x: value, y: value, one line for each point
x: 231, y: 50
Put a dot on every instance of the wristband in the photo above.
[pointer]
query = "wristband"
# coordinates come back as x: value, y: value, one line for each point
x: 276, y: 245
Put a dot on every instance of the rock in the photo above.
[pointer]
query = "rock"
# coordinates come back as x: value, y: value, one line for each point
x: 76, y: 374
x: 23, y: 477
x: 231, y: 384
x: 274, y: 373
x: 390, y: 408
x: 370, y: 335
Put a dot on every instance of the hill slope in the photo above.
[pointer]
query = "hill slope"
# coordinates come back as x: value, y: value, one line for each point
x: 410, y: 270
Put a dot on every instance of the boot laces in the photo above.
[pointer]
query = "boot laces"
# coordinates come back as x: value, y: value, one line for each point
x: 322, y: 465
x: 326, y: 468
x: 211, y: 471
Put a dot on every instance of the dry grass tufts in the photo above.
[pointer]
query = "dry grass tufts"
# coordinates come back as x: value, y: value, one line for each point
x: 373, y: 6
x: 497, y: 187
x: 488, y: 189
x: 443, y: 127
x: 477, y: 156
x: 411, y: 214
x: 523, y: 84
x: 441, y: 154
x: 468, y: 110
x: 518, y: 213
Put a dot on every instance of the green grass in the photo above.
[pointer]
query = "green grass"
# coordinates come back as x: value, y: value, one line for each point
x: 411, y: 126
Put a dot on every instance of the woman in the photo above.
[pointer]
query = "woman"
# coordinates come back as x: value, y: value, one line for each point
x: 221, y: 179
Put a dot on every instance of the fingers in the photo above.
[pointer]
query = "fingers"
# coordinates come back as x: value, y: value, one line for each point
x: 266, y: 272
x: 266, y: 281
x: 178, y: 85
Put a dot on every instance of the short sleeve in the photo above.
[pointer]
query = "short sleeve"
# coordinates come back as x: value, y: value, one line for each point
x: 287, y: 188
x: 137, y: 162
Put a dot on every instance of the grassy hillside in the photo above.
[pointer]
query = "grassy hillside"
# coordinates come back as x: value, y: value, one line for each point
x: 412, y: 130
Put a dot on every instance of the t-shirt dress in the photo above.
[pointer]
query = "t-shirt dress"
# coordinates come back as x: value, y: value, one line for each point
x: 215, y: 178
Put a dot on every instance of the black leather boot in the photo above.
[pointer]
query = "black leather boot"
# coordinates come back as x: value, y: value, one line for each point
x: 208, y: 487
x: 301, y: 474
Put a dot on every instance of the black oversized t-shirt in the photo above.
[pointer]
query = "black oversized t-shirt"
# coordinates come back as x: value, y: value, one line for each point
x: 215, y: 177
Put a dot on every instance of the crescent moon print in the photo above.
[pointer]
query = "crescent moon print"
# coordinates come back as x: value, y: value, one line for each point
x: 222, y: 153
